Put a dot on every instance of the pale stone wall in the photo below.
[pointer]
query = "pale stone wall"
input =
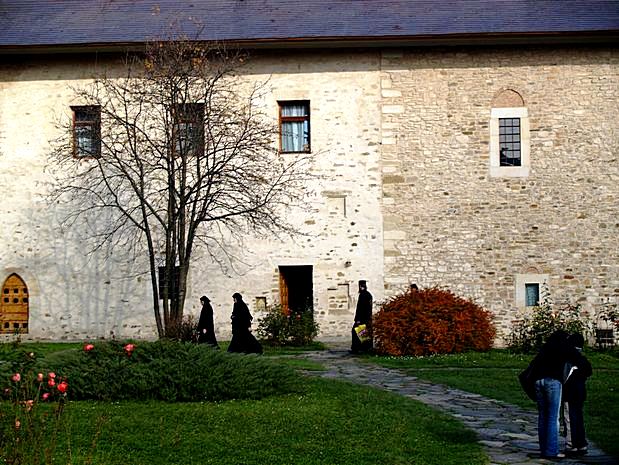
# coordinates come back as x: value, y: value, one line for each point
x: 74, y: 295
x: 448, y: 223
x: 404, y: 192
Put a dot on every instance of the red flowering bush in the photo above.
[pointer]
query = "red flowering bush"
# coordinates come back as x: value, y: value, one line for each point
x: 431, y: 321
x: 26, y: 424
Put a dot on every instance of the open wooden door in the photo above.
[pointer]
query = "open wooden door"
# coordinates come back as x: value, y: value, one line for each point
x: 296, y: 288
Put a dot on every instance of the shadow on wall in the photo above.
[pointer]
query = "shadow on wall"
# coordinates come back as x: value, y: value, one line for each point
x: 87, y: 292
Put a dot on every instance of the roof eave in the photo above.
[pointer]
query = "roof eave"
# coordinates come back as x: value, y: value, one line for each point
x: 581, y: 37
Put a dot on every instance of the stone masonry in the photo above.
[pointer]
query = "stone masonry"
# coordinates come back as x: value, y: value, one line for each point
x: 404, y: 192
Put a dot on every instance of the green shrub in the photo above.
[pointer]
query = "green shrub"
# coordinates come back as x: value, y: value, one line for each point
x: 529, y: 333
x: 279, y: 328
x: 169, y: 371
x: 431, y: 321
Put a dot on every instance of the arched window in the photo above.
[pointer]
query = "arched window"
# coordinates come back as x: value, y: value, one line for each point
x: 509, y: 136
x: 14, y: 305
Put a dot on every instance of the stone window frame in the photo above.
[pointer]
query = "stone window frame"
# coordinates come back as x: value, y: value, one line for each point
x: 496, y: 170
x: 528, y: 278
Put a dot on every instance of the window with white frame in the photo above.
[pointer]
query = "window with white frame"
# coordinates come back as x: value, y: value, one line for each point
x: 509, y: 142
x: 529, y: 289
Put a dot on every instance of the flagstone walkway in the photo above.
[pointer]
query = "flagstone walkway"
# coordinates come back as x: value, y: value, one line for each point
x: 508, y: 433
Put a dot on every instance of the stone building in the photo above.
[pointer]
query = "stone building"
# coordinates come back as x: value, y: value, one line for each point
x: 467, y: 145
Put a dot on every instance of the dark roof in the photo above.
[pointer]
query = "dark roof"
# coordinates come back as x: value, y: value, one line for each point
x: 27, y: 23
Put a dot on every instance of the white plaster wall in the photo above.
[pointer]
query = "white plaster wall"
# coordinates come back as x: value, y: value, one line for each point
x: 74, y: 295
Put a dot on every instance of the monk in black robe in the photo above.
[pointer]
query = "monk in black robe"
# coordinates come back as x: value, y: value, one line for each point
x: 362, y: 342
x: 242, y: 339
x: 206, y: 327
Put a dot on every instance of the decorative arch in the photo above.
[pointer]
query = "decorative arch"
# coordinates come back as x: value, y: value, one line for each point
x: 507, y: 98
x: 14, y: 305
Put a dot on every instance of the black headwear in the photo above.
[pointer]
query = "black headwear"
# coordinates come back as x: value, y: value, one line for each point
x: 204, y: 299
x: 237, y: 296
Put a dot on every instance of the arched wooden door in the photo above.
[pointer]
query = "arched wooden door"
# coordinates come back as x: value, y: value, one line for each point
x: 14, y: 305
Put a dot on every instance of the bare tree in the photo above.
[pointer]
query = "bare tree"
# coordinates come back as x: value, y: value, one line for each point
x: 186, y: 158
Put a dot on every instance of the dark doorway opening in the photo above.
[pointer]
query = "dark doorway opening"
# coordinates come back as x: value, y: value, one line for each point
x: 296, y: 288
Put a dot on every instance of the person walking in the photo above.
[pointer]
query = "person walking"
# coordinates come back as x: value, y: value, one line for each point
x: 549, y: 374
x: 574, y: 396
x: 206, y: 327
x: 362, y: 327
x: 243, y: 341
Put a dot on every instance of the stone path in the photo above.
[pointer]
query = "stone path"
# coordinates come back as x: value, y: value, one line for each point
x: 508, y: 433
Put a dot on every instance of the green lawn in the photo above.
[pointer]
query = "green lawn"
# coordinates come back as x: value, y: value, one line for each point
x: 332, y: 422
x: 494, y: 374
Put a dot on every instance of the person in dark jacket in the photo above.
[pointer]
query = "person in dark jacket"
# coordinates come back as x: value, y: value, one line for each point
x: 362, y: 341
x: 206, y: 327
x: 243, y: 340
x: 549, y: 372
x: 574, y: 395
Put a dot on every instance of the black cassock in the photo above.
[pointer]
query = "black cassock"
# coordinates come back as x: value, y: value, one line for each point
x: 363, y: 316
x: 206, y: 323
x: 242, y: 339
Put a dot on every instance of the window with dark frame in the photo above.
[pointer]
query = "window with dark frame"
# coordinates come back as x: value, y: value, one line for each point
x: 509, y: 142
x: 531, y: 294
x: 86, y: 131
x: 188, y: 131
x: 294, y: 126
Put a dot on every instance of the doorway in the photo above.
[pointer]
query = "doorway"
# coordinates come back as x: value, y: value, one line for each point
x: 296, y: 288
x: 14, y: 306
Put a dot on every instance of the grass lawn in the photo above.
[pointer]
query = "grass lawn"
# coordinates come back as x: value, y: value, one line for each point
x: 494, y: 374
x: 330, y: 423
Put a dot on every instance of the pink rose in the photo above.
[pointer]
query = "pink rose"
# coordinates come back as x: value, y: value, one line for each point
x: 45, y: 395
x: 51, y: 382
x: 17, y: 424
x: 63, y: 386
x: 29, y: 404
x: 51, y: 375
x: 129, y: 349
x: 88, y: 347
x: 40, y: 377
x: 16, y: 377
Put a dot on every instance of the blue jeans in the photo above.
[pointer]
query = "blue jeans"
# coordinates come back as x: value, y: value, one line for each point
x: 548, y: 392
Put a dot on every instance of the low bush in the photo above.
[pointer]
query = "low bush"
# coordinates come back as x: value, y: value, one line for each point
x: 279, y: 328
x: 529, y: 333
x: 184, y: 331
x: 31, y: 410
x: 431, y: 321
x: 169, y: 371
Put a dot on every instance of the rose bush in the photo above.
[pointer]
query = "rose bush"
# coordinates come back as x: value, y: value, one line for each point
x: 26, y: 424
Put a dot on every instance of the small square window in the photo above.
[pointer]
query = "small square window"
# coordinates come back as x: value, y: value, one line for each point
x: 294, y: 126
x: 86, y: 131
x: 531, y: 293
